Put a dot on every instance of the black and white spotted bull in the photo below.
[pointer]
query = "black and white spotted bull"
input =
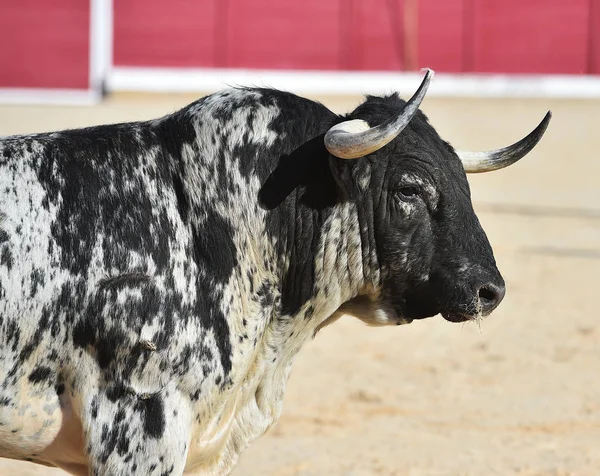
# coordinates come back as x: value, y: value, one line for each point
x: 157, y: 278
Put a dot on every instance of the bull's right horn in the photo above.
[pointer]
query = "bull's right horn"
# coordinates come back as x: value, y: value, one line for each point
x: 477, y: 162
x: 355, y: 138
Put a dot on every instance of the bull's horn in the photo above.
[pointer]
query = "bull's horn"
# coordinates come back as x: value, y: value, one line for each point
x: 355, y: 138
x: 476, y: 162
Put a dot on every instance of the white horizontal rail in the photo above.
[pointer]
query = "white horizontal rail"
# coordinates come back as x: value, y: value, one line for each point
x: 66, y: 97
x: 162, y: 80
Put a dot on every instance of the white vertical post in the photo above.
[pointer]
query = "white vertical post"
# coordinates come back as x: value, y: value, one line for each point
x: 101, y: 42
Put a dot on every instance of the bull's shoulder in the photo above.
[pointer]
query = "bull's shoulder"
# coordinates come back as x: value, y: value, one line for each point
x: 254, y: 111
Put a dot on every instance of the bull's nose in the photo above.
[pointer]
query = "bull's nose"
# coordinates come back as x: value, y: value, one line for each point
x: 490, y: 296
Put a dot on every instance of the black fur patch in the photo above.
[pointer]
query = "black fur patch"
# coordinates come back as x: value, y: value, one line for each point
x: 214, y: 249
x: 154, y: 416
x: 6, y: 258
x: 40, y: 374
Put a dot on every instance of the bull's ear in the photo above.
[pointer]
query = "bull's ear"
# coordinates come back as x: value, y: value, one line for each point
x: 307, y: 169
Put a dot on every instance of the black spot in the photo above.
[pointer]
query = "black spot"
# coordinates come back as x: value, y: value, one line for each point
x: 208, y: 308
x: 116, y: 392
x: 265, y: 295
x: 83, y: 334
x: 94, y: 408
x: 182, y: 203
x: 120, y: 416
x: 12, y: 333
x: 214, y: 249
x: 107, y: 346
x: 40, y: 374
x: 154, y: 416
x: 37, y: 279
x: 110, y: 438
x: 123, y: 445
x: 196, y: 395
x: 3, y: 236
x: 123, y: 440
x: 6, y: 258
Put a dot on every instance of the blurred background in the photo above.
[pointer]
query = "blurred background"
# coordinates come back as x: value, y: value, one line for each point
x: 69, y: 50
x: 518, y: 394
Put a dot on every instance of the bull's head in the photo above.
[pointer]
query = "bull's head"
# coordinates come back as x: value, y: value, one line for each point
x: 433, y: 254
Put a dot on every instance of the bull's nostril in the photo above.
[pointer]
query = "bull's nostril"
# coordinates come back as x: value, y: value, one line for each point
x: 486, y: 294
x: 490, y: 296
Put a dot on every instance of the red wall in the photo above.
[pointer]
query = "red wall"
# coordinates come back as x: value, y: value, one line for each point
x: 44, y: 44
x: 374, y: 35
x: 533, y: 36
x: 280, y: 34
x: 441, y: 34
x: 510, y: 36
x: 165, y: 33
x: 507, y: 36
x: 594, y: 38
x: 281, y: 39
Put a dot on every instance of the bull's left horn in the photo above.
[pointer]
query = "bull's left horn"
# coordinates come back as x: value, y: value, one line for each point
x: 477, y: 162
x: 355, y: 138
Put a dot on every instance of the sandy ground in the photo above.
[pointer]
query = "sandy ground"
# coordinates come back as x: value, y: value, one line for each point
x: 518, y: 394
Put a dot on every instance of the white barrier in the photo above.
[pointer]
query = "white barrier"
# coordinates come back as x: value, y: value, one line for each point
x: 163, y: 80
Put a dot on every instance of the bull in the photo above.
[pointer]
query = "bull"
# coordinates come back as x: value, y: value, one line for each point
x: 157, y: 278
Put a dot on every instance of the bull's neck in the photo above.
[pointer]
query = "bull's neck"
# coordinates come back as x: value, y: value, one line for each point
x: 327, y: 261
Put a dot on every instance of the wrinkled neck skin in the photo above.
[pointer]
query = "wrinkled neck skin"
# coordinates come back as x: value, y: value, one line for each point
x: 344, y: 265
x: 295, y: 267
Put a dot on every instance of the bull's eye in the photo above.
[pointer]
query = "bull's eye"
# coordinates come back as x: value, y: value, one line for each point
x: 408, y: 191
